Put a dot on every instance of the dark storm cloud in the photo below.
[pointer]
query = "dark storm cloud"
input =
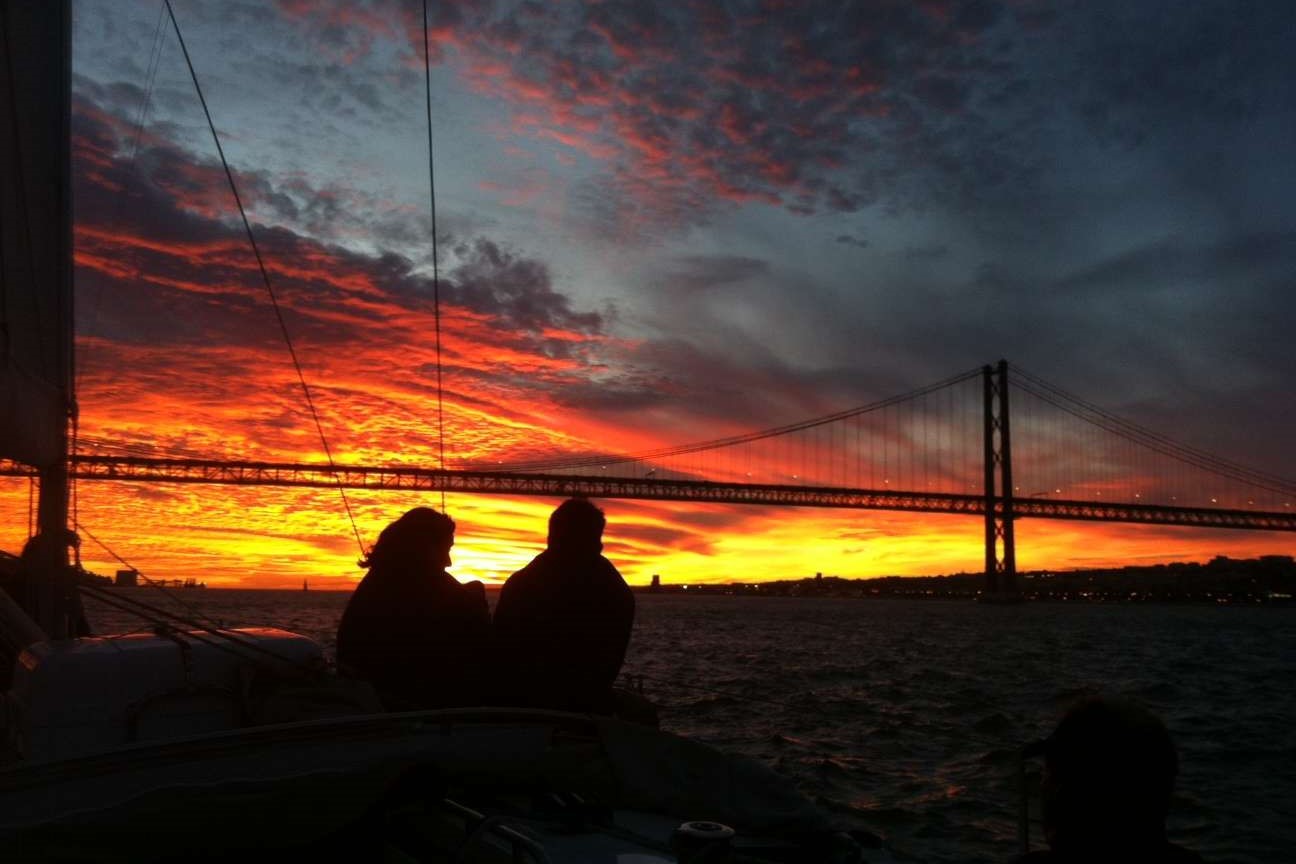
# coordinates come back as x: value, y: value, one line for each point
x: 689, y: 109
x: 160, y: 233
x: 513, y: 289
x: 694, y: 106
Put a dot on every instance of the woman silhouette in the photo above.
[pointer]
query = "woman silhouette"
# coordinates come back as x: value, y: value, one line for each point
x: 410, y: 629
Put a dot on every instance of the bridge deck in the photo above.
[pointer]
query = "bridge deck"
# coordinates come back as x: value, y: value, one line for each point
x: 145, y: 470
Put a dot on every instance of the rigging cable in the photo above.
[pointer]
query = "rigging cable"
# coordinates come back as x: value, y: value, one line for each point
x: 221, y: 640
x: 265, y: 278
x: 147, y: 581
x: 150, y: 79
x: 161, y: 617
x: 436, y: 271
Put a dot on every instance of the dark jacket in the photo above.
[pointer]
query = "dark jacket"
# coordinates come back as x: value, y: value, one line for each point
x: 562, y: 625
x: 421, y: 639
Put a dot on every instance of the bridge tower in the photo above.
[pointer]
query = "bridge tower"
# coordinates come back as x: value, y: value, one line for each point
x: 1000, y: 549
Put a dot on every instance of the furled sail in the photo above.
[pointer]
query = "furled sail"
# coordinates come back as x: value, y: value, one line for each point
x: 35, y: 232
x: 31, y: 417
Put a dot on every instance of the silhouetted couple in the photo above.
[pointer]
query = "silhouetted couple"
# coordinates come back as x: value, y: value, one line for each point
x: 561, y: 628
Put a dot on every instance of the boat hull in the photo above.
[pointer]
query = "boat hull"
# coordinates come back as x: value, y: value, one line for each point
x: 337, y: 783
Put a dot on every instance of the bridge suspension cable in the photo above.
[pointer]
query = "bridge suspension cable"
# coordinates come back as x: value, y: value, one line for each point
x: 736, y: 440
x: 1105, y: 420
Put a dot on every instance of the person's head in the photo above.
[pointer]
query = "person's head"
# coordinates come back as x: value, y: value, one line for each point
x: 1109, y: 769
x: 576, y: 527
x: 422, y: 538
x: 49, y: 548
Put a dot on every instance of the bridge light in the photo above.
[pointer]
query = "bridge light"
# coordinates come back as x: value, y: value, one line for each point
x: 1214, y: 501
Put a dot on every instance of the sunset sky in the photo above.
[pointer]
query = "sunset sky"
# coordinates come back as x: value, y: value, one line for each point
x: 662, y: 223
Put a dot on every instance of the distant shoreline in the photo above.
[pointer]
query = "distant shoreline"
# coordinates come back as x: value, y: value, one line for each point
x: 1270, y: 579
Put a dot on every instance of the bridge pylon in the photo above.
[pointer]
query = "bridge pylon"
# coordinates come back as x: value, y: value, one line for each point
x: 1000, y: 548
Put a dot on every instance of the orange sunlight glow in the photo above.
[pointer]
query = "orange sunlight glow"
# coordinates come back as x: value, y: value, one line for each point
x: 258, y: 537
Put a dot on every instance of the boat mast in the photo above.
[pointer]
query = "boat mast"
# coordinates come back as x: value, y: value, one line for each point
x: 52, y: 514
x: 38, y: 261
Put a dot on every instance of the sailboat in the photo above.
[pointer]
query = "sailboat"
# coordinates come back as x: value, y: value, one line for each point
x: 197, y: 742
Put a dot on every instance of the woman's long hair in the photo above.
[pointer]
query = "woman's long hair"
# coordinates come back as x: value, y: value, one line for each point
x: 403, y: 539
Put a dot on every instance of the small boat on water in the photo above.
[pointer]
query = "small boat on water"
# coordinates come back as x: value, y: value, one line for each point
x: 199, y: 743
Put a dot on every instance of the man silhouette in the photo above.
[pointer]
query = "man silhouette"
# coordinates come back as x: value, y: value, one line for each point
x: 562, y: 623
x: 1109, y: 769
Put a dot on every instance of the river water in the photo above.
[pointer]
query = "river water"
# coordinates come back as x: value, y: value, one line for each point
x: 904, y: 716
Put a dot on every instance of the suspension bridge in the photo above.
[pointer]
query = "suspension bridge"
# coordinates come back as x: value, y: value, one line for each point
x: 984, y: 443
